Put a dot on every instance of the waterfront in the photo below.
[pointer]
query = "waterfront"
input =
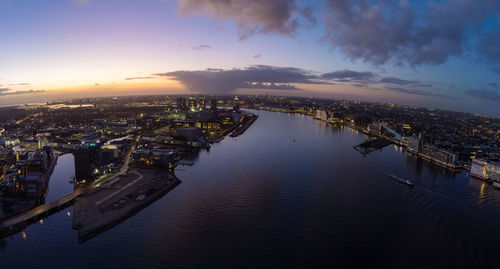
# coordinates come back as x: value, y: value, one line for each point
x: 291, y: 191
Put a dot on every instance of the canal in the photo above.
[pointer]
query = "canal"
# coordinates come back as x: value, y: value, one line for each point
x: 64, y: 172
x: 290, y: 192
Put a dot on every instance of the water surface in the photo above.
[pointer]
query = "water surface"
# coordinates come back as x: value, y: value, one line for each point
x: 289, y: 192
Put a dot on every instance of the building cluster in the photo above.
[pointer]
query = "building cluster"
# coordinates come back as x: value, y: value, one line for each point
x: 486, y: 170
x: 26, y: 173
x: 99, y: 132
x: 467, y: 136
x: 94, y: 159
x: 192, y: 124
x: 157, y: 130
x: 416, y: 145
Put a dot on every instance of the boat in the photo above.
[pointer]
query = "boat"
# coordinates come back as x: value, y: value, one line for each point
x: 401, y: 180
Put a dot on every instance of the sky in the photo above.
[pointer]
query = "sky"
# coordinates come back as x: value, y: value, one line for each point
x: 438, y: 54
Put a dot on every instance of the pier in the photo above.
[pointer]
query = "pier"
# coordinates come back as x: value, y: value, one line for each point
x: 108, y: 206
x: 372, y: 145
x: 248, y: 120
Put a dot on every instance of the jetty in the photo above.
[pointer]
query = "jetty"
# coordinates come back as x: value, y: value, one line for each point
x: 372, y: 145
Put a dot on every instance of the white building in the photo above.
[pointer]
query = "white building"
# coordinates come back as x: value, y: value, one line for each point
x: 485, y: 170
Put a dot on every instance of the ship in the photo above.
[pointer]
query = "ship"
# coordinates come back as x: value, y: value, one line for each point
x: 401, y: 180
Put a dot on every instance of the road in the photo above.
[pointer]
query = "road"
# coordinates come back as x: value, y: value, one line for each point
x: 99, y: 182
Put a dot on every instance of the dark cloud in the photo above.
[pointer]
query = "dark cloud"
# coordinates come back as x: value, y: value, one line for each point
x: 134, y: 78
x: 5, y: 91
x: 489, y: 48
x: 349, y: 76
x: 484, y: 94
x: 401, y: 32
x: 418, y: 92
x: 201, y: 47
x: 20, y: 84
x: 404, y: 82
x: 257, y: 56
x: 396, y: 31
x: 258, y: 76
x: 256, y: 16
x: 285, y: 78
x: 270, y: 86
x: 397, y: 81
x: 493, y: 84
x: 371, y: 80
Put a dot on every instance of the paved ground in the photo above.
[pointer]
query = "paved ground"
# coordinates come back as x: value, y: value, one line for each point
x: 116, y: 201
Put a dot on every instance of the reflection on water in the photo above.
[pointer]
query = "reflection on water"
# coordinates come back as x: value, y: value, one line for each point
x: 59, y: 184
x: 290, y: 192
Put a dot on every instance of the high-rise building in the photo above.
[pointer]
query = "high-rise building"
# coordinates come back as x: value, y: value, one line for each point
x: 236, y: 104
x: 213, y: 105
x: 83, y: 164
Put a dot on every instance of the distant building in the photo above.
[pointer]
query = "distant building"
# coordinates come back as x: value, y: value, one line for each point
x: 213, y: 105
x: 321, y: 115
x: 37, y: 162
x: 485, y: 170
x: 33, y: 184
x: 9, y: 142
x: 438, y: 155
x: 414, y: 143
x: 236, y: 104
x: 189, y: 133
x: 156, y: 158
x: 375, y: 128
x: 83, y: 164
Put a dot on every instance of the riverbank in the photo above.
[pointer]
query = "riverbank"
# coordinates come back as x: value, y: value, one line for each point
x: 292, y: 191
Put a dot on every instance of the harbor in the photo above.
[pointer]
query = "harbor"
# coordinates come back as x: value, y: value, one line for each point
x: 243, y: 204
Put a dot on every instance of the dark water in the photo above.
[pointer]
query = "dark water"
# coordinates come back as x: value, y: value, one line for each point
x: 265, y: 200
x: 59, y: 184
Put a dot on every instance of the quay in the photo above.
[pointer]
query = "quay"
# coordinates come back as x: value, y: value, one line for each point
x: 97, y: 211
x: 247, y: 121
x: 372, y: 145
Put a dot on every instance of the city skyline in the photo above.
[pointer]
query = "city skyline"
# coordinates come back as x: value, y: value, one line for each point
x: 250, y: 133
x: 390, y: 51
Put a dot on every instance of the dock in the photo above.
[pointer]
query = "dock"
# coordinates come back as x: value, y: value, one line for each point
x: 248, y: 120
x: 372, y: 145
x: 108, y: 206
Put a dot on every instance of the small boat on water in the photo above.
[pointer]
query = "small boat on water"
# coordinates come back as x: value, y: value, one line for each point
x: 401, y: 180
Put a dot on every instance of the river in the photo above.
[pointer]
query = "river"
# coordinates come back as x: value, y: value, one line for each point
x: 290, y: 192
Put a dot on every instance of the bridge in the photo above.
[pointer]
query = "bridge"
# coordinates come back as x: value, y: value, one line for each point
x: 13, y: 224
